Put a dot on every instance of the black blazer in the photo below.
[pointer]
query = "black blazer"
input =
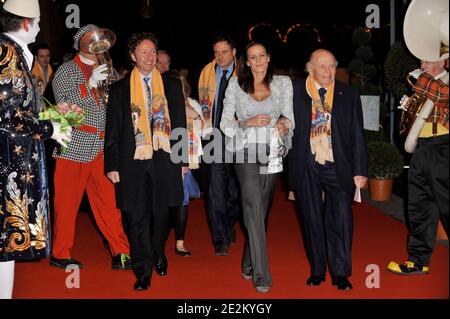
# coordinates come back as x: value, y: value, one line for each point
x: 120, y: 146
x: 347, y: 135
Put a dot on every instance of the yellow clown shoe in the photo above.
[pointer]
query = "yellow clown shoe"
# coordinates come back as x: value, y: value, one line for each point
x: 408, y: 268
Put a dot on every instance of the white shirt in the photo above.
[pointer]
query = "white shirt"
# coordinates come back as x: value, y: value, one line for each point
x: 440, y: 75
x: 86, y: 60
x: 318, y: 86
x: 24, y: 46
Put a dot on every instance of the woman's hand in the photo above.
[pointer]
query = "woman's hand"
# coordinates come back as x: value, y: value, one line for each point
x: 258, y: 121
x: 282, y: 130
x: 283, y: 125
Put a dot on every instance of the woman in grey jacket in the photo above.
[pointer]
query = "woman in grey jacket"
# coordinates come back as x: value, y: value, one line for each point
x: 257, y: 105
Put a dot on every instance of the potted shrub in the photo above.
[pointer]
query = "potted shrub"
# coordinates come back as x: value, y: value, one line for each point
x: 385, y: 163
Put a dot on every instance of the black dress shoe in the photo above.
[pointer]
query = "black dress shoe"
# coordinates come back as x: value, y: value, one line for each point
x: 221, y: 250
x: 63, y: 263
x: 315, y: 280
x: 182, y: 253
x: 142, y: 283
x: 342, y: 283
x: 160, y: 266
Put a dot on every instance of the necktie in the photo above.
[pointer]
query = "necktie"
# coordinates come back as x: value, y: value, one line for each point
x: 322, y: 93
x: 220, y: 96
x: 147, y: 84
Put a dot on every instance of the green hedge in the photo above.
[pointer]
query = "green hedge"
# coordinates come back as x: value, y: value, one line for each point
x: 385, y: 160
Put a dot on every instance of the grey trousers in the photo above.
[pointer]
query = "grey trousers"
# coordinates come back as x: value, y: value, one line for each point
x: 257, y: 192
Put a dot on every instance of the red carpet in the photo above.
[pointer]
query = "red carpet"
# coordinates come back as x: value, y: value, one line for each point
x: 377, y: 240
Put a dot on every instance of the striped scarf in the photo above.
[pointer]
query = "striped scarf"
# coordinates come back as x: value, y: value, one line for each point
x: 145, y: 121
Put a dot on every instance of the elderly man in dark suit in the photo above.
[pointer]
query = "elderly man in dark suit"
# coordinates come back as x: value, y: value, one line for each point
x: 144, y: 108
x: 328, y: 158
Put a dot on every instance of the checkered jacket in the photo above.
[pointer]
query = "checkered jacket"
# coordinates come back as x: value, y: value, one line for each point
x: 70, y: 85
x: 438, y: 92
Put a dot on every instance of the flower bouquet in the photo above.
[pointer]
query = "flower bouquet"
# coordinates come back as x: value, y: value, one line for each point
x: 68, y: 115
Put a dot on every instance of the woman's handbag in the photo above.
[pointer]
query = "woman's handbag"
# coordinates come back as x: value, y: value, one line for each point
x: 277, y: 151
x: 190, y: 186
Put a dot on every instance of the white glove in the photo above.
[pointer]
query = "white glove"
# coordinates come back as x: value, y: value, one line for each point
x: 404, y: 103
x: 416, y: 73
x: 99, y: 74
x: 60, y: 137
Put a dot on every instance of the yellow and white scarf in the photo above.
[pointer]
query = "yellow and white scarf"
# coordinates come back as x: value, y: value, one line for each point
x: 148, y: 139
x: 194, y: 127
x: 320, y: 135
x: 207, y: 90
x: 38, y: 72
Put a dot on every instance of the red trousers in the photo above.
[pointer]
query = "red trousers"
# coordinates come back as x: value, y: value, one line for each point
x: 71, y: 180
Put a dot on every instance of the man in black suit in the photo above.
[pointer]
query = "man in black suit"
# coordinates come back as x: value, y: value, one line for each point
x: 223, y: 200
x: 327, y: 160
x: 144, y: 108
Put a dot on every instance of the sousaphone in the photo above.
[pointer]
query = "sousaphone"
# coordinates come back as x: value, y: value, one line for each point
x: 426, y: 32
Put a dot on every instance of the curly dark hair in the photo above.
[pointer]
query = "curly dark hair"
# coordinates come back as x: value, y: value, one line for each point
x: 11, y: 22
x: 245, y: 75
x: 137, y: 38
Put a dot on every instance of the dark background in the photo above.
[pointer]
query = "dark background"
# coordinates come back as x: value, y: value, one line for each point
x: 186, y: 28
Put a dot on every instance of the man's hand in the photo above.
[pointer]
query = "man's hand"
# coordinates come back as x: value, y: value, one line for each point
x: 60, y: 137
x: 360, y: 181
x: 99, y: 74
x: 113, y: 176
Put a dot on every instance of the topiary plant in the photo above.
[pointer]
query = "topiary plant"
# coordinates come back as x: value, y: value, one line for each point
x: 385, y: 160
x: 360, y: 65
x: 396, y: 67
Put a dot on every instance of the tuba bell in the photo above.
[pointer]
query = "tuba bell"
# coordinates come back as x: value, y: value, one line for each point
x: 426, y: 33
x: 426, y: 29
x: 98, y: 42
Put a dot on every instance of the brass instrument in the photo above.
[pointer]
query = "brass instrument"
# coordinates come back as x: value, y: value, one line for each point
x: 98, y: 42
x: 420, y: 117
x: 411, y: 107
x: 426, y: 33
